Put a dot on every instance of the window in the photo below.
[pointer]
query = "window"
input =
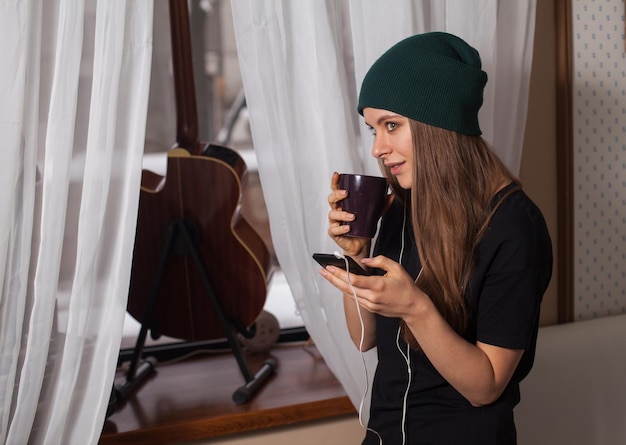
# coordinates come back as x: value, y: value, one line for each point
x: 218, y: 92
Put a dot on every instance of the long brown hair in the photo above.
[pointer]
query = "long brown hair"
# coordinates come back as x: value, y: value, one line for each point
x: 455, y: 177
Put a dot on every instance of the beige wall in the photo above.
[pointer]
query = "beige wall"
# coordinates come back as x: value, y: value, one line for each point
x: 598, y: 155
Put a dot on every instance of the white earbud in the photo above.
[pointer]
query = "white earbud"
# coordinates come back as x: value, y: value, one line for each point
x: 338, y: 255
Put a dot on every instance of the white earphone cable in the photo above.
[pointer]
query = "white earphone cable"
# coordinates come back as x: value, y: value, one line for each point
x: 362, y: 339
x: 406, y: 356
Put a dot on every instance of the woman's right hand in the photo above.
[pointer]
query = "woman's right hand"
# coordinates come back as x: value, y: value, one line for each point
x: 339, y: 220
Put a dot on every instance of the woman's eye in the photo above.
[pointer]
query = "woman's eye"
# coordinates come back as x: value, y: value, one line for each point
x: 391, y: 126
x: 371, y: 130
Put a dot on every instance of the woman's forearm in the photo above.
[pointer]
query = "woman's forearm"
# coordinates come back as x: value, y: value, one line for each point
x: 362, y: 327
x: 479, y: 372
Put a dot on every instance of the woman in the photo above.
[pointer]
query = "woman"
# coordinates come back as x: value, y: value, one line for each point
x: 461, y: 262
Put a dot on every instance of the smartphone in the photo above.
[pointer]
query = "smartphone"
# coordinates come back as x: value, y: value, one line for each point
x: 329, y: 259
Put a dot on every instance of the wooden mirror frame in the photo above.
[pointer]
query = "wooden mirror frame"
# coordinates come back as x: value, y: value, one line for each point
x: 564, y: 158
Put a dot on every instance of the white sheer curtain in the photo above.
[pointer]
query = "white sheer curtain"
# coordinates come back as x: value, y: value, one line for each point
x: 72, y: 136
x: 302, y: 63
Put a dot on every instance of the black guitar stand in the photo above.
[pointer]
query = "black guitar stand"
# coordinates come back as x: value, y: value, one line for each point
x: 179, y: 240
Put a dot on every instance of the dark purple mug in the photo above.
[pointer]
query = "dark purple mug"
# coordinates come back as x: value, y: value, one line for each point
x: 366, y: 200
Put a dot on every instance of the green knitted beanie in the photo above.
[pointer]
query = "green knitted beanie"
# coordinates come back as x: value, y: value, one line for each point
x: 434, y: 78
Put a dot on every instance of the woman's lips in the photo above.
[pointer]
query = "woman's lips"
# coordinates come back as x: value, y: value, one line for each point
x: 395, y: 168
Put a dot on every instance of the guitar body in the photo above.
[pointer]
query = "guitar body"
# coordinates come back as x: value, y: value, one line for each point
x: 205, y: 192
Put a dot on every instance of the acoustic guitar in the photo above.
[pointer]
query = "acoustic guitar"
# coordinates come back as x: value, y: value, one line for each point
x: 200, y: 193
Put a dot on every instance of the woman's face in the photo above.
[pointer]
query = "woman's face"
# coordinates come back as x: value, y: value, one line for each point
x: 393, y: 143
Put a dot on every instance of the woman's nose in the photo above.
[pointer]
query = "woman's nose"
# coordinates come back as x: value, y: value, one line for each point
x: 380, y: 149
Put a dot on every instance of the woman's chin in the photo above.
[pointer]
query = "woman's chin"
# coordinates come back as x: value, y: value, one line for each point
x: 404, y: 182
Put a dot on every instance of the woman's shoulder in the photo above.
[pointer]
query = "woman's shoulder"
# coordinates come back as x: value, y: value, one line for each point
x: 517, y: 221
x: 517, y: 209
x: 517, y: 239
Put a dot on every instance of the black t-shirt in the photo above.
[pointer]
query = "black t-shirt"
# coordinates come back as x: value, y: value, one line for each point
x: 513, y: 266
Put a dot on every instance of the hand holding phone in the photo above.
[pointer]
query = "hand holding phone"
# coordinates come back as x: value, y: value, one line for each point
x: 337, y: 260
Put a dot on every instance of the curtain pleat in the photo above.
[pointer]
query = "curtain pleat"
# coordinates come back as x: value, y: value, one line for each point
x: 74, y: 128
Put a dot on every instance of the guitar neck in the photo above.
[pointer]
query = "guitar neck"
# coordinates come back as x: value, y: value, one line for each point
x: 184, y: 88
